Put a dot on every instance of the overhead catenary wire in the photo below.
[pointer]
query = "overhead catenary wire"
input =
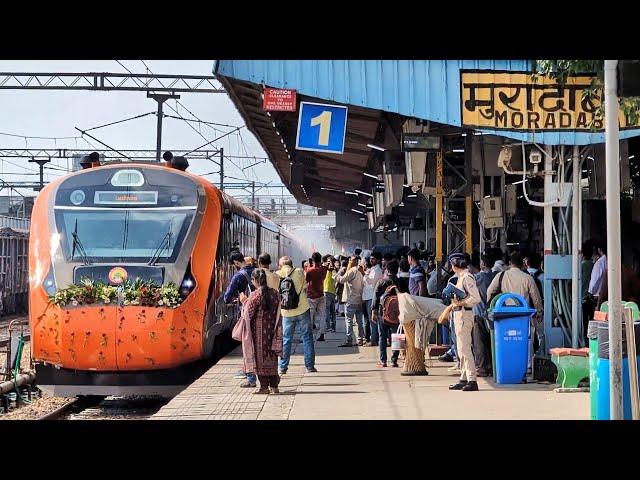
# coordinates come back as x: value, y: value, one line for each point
x: 204, y: 122
x: 167, y: 104
x: 102, y: 143
x: 191, y: 113
x: 120, y: 121
x: 215, y: 140
x: 6, y: 134
x: 201, y: 122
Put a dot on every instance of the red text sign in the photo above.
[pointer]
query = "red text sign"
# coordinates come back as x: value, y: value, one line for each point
x: 282, y: 100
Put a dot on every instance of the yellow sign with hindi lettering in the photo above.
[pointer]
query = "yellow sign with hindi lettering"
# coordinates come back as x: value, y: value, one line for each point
x: 518, y: 101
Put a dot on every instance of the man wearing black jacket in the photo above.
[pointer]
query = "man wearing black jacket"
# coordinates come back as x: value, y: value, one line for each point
x: 480, y: 333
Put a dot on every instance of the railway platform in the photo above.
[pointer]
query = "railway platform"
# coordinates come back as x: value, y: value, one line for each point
x: 349, y: 386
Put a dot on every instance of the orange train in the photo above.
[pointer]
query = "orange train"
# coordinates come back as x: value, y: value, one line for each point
x: 128, y: 221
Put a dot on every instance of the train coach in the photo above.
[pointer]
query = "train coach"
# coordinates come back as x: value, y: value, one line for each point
x: 127, y: 266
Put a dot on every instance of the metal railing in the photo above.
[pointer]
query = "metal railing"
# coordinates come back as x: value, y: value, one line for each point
x: 14, y: 222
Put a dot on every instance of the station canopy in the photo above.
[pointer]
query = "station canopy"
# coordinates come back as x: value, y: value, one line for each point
x: 497, y: 97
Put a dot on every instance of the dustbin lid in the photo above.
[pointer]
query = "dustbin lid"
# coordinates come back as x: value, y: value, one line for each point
x: 498, y: 310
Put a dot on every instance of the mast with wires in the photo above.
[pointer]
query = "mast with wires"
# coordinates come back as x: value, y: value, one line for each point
x: 160, y: 98
x: 41, y: 163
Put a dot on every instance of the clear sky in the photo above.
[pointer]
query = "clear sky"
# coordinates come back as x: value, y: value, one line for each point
x: 56, y: 113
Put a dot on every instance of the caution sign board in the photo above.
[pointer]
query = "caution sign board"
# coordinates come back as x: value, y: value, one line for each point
x: 519, y: 101
x: 279, y: 100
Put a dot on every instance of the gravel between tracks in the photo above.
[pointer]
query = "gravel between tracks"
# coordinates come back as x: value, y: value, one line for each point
x: 39, y: 405
x: 37, y: 408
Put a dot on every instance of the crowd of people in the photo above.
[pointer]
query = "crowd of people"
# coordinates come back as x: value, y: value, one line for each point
x: 311, y: 297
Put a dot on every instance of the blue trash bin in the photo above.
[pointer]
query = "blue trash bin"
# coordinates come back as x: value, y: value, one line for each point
x: 602, y: 373
x: 511, y: 325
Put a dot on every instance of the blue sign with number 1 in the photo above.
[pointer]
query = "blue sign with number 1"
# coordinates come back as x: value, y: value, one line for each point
x: 321, y: 128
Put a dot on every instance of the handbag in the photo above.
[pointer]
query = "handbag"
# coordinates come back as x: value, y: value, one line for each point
x: 238, y: 329
x: 398, y: 340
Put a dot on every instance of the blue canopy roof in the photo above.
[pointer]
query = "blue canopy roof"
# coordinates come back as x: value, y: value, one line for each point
x: 426, y: 89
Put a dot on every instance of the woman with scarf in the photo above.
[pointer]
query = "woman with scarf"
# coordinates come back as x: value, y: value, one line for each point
x: 262, y: 333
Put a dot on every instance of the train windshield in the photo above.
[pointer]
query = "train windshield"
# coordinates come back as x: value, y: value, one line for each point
x: 124, y: 235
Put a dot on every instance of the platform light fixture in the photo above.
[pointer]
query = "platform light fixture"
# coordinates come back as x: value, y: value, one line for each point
x: 350, y: 193
x: 458, y: 150
x: 375, y: 147
x: 364, y: 193
x: 370, y: 175
x: 357, y: 211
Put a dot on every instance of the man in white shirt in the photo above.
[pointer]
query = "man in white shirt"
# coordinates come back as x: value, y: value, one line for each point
x: 598, y: 272
x: 370, y: 279
x: 515, y: 280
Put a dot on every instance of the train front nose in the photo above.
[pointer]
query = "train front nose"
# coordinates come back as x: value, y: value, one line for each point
x: 113, y: 338
x: 155, y: 338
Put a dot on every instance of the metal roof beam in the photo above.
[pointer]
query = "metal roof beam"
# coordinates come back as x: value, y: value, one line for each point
x: 109, y: 82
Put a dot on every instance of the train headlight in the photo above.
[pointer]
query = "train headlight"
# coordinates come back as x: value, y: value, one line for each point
x: 188, y: 283
x: 49, y: 283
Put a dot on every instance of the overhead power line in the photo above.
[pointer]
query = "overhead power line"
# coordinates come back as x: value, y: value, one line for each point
x: 120, y: 121
x: 36, y: 137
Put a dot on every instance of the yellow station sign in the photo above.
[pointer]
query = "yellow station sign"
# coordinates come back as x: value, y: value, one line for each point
x: 517, y: 101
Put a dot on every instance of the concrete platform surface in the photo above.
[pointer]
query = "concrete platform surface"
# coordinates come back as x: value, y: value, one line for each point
x: 349, y: 386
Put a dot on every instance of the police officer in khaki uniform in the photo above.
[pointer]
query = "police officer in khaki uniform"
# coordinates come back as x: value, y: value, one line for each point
x: 463, y: 321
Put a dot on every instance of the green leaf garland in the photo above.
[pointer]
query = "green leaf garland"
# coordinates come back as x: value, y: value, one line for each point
x: 137, y: 292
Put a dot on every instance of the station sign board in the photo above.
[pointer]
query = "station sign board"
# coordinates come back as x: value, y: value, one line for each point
x: 321, y: 127
x: 279, y: 100
x: 520, y: 101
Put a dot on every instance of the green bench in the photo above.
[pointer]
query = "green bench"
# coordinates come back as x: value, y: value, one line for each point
x: 572, y: 365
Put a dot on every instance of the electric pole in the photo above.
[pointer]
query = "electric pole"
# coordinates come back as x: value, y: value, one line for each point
x: 612, y: 162
x: 222, y: 169
x: 160, y: 98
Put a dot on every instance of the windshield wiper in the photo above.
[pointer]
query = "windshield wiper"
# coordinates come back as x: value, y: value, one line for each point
x: 78, y: 244
x: 164, y: 243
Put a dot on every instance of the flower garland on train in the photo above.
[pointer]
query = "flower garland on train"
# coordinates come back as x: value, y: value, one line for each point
x: 137, y: 292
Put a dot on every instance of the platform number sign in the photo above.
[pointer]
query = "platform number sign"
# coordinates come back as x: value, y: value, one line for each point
x: 321, y: 128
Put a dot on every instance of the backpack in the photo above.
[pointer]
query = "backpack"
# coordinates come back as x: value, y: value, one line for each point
x: 538, y: 282
x: 289, y: 297
x: 390, y: 307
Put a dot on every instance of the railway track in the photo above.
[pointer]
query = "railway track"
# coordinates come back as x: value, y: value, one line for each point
x: 109, y: 408
x: 43, y: 407
x: 60, y: 411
